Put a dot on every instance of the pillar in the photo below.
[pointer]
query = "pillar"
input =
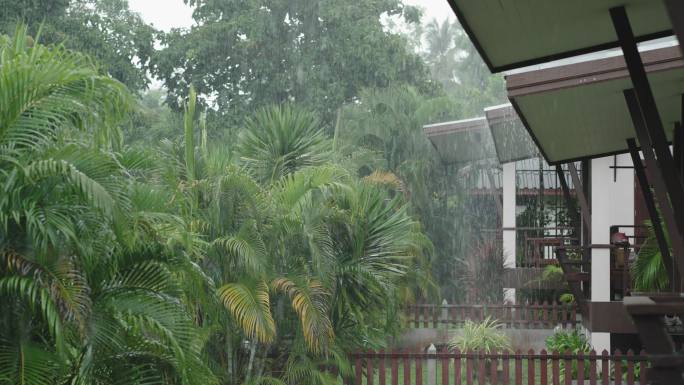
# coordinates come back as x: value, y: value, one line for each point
x: 508, y: 223
x: 612, y: 203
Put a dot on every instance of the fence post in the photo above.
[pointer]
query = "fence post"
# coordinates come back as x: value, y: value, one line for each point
x: 382, y: 373
x: 630, y: 367
x: 419, y: 368
x: 407, y: 368
x: 395, y: 367
x: 445, y: 314
x: 432, y: 365
x: 493, y: 364
x: 617, y: 362
x: 530, y: 367
x: 358, y: 368
x: 457, y: 367
x: 369, y: 367
x: 543, y: 363
x: 592, y: 367
x: 605, y: 370
x: 555, y: 368
x: 518, y: 367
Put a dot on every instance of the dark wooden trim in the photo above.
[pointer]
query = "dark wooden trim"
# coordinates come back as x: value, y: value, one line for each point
x: 492, y: 189
x: 609, y: 317
x: 658, y: 180
x: 589, y: 72
x: 457, y: 126
x: 649, y: 112
x: 568, y: 198
x: 675, y: 8
x: 653, y: 213
x: 583, y: 201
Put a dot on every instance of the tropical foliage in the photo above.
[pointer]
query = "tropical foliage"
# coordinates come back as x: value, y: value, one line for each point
x: 572, y: 342
x: 270, y: 211
x: 485, y: 336
x: 187, y: 264
x: 648, y: 271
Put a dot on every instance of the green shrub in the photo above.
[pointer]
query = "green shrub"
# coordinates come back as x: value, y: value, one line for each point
x: 574, y: 342
x: 485, y: 336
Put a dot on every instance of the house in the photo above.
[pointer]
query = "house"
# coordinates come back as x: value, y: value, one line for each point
x: 613, y: 111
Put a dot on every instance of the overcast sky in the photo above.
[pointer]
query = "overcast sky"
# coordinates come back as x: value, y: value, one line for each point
x: 167, y: 14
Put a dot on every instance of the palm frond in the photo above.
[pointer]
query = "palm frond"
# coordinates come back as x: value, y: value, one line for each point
x: 251, y: 307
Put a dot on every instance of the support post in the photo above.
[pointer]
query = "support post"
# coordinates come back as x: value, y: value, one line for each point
x: 568, y: 199
x: 432, y: 365
x: 492, y: 190
x: 678, y: 150
x: 584, y: 203
x: 508, y: 187
x: 658, y: 181
x: 675, y: 8
x: 653, y: 213
x: 649, y: 111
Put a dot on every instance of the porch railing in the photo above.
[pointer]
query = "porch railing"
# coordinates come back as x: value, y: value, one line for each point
x: 523, y: 316
x: 461, y: 368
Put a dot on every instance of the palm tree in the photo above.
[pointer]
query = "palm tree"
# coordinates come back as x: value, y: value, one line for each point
x: 88, y: 265
x: 280, y: 140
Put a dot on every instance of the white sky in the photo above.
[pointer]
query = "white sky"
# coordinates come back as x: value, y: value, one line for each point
x: 167, y: 14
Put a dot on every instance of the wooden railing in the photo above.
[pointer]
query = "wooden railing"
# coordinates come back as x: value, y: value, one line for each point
x: 457, y: 368
x: 523, y: 316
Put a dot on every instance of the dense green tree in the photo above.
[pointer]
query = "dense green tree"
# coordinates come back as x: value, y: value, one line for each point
x: 243, y: 55
x: 89, y: 267
x: 107, y: 30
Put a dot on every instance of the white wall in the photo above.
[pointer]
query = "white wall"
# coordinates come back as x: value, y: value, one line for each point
x: 508, y: 221
x: 612, y: 203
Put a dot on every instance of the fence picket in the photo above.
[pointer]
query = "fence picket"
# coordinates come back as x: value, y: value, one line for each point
x: 457, y: 368
x: 605, y: 369
x: 617, y: 363
x: 445, y: 369
x: 494, y: 368
x: 395, y: 369
x: 469, y: 369
x: 543, y: 363
x: 407, y: 369
x: 426, y: 317
x: 555, y: 368
x: 630, y: 367
x: 416, y: 316
x: 358, y: 367
x: 381, y: 368
x: 505, y: 366
x: 493, y: 373
x: 419, y: 370
x: 369, y: 368
x: 580, y: 368
x: 530, y: 367
x: 592, y: 367
x: 518, y: 367
x: 567, y: 368
x: 481, y: 367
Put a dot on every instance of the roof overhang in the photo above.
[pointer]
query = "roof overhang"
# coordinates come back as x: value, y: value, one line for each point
x: 513, y: 34
x: 461, y: 141
x: 511, y: 140
x: 578, y: 111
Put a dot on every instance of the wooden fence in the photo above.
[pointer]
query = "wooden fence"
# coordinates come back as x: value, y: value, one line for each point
x: 524, y: 316
x: 506, y: 368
